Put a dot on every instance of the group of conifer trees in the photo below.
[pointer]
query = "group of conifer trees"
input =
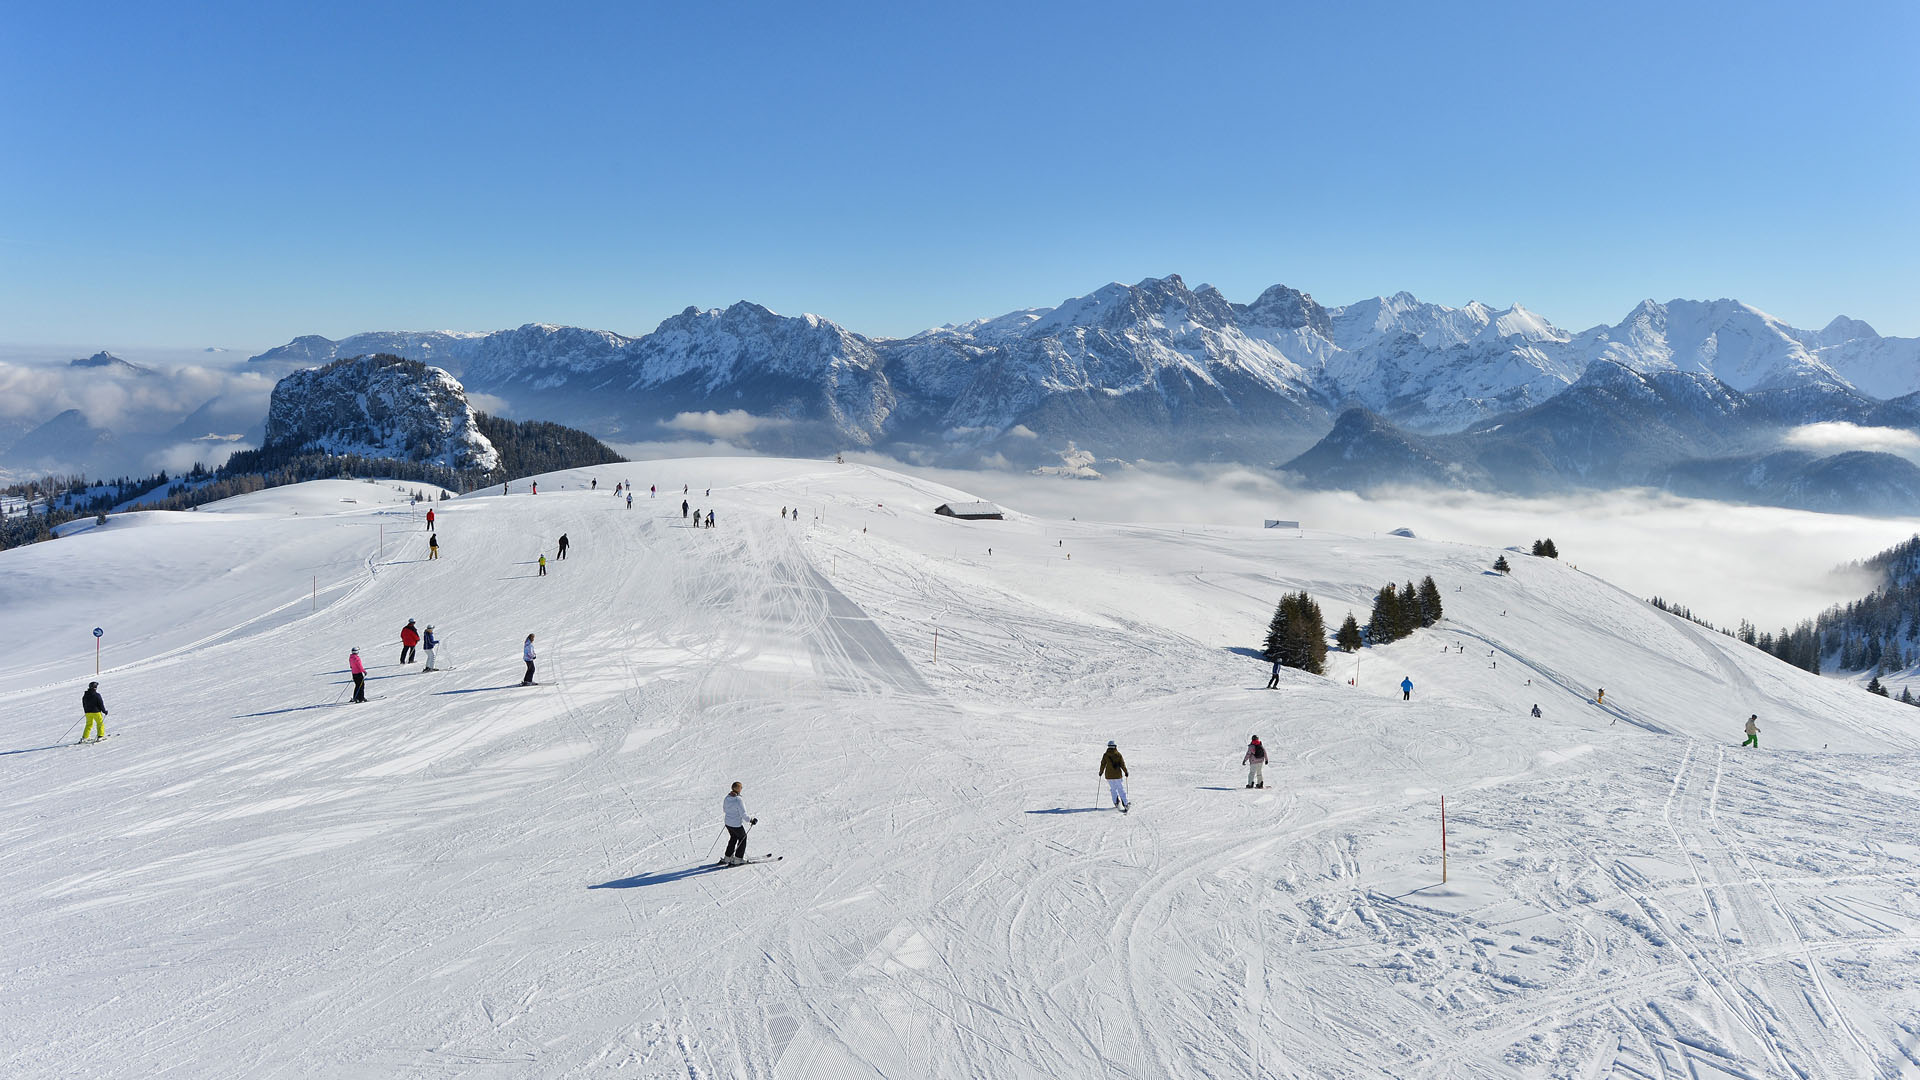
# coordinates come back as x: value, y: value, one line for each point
x: 1399, y: 611
x: 1297, y: 634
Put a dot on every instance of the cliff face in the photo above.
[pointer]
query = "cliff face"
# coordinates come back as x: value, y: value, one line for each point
x: 379, y: 406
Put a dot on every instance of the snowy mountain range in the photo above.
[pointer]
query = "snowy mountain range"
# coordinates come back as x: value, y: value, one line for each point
x: 1158, y: 370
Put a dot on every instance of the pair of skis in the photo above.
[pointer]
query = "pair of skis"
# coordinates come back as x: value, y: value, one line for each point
x: 768, y: 857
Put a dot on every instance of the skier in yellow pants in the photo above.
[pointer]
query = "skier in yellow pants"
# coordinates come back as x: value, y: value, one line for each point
x: 96, y: 711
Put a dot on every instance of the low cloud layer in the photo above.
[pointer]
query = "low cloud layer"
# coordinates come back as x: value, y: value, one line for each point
x: 1770, y: 565
x: 31, y: 393
x: 1838, y: 437
x: 729, y: 426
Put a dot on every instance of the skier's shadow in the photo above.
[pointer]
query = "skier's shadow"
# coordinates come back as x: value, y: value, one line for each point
x: 641, y: 881
x: 1070, y: 810
x: 480, y: 689
x: 33, y: 749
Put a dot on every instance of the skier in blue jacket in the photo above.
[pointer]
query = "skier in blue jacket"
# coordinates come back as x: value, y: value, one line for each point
x: 1406, y: 688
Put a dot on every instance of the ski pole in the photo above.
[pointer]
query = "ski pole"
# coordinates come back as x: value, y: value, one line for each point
x: 69, y: 731
x: 716, y: 842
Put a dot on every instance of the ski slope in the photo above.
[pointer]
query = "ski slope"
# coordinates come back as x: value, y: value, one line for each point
x: 468, y: 878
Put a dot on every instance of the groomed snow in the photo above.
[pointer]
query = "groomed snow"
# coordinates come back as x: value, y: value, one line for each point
x: 468, y: 878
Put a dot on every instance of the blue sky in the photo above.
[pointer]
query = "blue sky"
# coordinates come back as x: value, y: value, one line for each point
x: 237, y: 175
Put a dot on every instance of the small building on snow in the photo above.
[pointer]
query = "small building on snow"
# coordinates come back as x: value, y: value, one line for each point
x: 970, y: 511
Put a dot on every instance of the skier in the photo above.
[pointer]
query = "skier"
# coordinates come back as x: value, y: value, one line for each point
x: 1114, y: 768
x: 709, y: 519
x: 616, y: 491
x: 737, y: 821
x: 431, y: 643
x: 697, y: 519
x: 409, y: 637
x: 433, y: 546
x: 783, y: 513
x: 595, y: 486
x: 1406, y: 688
x: 527, y: 653
x: 563, y: 546
x: 429, y: 519
x: 1256, y: 762
x: 1273, y: 680
x: 653, y: 491
x: 629, y: 500
x: 1753, y: 731
x: 96, y: 710
x: 683, y: 509
x: 1536, y: 712
x: 1600, y: 697
x: 536, y: 487
x: 543, y: 566
x: 359, y: 671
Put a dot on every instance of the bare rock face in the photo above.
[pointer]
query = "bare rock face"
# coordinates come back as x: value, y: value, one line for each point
x: 379, y: 406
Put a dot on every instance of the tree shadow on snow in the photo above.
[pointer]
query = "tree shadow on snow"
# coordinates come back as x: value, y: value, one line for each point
x: 1251, y: 654
x: 1070, y: 810
x: 641, y: 881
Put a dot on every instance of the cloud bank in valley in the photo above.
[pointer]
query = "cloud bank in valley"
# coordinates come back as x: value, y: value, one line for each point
x: 1839, y: 437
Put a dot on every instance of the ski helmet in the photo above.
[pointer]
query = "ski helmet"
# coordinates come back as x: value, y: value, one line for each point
x: 1110, y: 742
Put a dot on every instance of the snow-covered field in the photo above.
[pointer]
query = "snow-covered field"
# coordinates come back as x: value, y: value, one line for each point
x: 468, y: 878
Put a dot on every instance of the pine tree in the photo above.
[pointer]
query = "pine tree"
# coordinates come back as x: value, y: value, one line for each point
x: 1906, y: 695
x: 1306, y: 641
x: 1539, y: 548
x: 1409, y: 609
x: 1875, y: 687
x: 1500, y: 564
x: 1276, y: 633
x: 1547, y: 548
x: 1350, y: 634
x: 1383, y: 624
x: 1430, y: 611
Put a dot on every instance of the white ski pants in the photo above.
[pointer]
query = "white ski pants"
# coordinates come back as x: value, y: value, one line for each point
x: 1257, y: 773
x: 1118, y: 786
x: 429, y: 658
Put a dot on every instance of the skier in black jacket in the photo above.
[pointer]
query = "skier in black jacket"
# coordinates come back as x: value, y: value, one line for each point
x: 96, y: 710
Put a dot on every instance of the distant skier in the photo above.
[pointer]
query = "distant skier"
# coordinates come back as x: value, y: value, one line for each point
x: 429, y: 519
x: 1536, y: 712
x: 543, y: 566
x: 563, y: 547
x: 683, y: 509
x: 1273, y: 680
x: 536, y: 488
x: 783, y: 513
x: 1114, y: 768
x: 1753, y: 731
x: 734, y: 813
x: 653, y: 491
x: 430, y: 643
x: 433, y: 546
x: 1255, y: 760
x: 359, y: 671
x: 96, y: 709
x: 629, y: 500
x: 709, y: 519
x: 697, y: 519
x: 409, y: 637
x: 1600, y: 697
x: 527, y: 654
x: 595, y: 486
x: 616, y: 491
x: 1406, y: 688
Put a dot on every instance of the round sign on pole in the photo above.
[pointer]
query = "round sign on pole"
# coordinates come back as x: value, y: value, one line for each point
x: 97, y: 632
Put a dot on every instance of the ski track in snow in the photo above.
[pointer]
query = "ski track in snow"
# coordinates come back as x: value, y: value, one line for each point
x: 469, y: 878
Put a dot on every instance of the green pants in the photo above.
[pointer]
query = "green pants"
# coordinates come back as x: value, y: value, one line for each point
x: 96, y: 724
x: 1753, y: 740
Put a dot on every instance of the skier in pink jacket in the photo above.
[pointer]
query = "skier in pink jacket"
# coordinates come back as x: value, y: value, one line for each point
x: 359, y: 675
x: 1255, y: 759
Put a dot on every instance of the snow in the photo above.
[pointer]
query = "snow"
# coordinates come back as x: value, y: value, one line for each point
x: 469, y: 878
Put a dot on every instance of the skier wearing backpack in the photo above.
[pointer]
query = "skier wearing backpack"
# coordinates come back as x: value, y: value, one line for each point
x: 1753, y: 731
x: 96, y: 709
x: 734, y: 813
x: 409, y: 638
x: 1256, y: 762
x: 527, y: 654
x: 1114, y: 768
x: 359, y: 671
x: 430, y: 643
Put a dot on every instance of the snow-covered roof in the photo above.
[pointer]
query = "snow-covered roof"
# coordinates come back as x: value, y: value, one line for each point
x: 968, y: 510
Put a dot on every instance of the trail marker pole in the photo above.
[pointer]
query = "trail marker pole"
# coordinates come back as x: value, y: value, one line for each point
x: 1443, y: 839
x: 97, y: 632
x: 936, y: 644
x: 316, y: 592
x: 383, y: 539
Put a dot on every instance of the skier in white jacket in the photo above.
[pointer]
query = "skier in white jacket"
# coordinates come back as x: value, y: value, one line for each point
x: 735, y: 812
x: 527, y: 654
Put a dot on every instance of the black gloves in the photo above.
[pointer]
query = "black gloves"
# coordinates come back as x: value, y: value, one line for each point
x: 753, y: 821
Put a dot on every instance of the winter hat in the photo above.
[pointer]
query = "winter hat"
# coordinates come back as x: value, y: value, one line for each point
x: 93, y: 686
x: 356, y: 648
x: 429, y: 626
x: 1110, y: 742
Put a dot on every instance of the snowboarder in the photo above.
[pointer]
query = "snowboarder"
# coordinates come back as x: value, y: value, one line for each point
x: 1273, y: 680
x: 433, y: 546
x: 1536, y: 712
x: 735, y: 815
x: 359, y: 671
x: 1114, y: 768
x: 709, y: 519
x: 629, y: 500
x: 543, y: 566
x: 563, y: 547
x: 1406, y: 688
x: 1256, y: 762
x: 683, y: 509
x: 430, y: 643
x: 1753, y: 731
x: 409, y: 637
x: 96, y: 710
x: 527, y: 654
x: 429, y: 519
